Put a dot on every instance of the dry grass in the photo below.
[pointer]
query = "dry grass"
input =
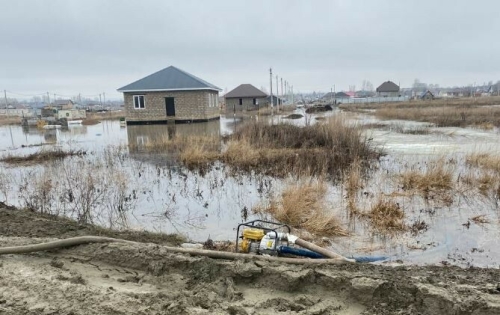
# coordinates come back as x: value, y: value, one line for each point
x: 324, y: 148
x: 353, y: 183
x: 484, y: 160
x: 445, y: 102
x: 277, y: 150
x: 42, y: 156
x: 436, y: 176
x: 442, y: 113
x: 386, y: 216
x: 302, y: 206
x: 445, y: 116
x: 480, y: 219
x: 90, y: 122
x: 8, y: 120
x: 109, y: 115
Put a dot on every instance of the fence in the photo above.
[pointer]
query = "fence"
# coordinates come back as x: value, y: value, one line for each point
x: 372, y: 100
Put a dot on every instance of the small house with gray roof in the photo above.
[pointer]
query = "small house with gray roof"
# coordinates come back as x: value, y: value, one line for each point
x: 170, y: 95
x: 245, y: 97
x: 388, y: 89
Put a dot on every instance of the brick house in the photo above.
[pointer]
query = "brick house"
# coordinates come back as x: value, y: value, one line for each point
x: 388, y: 89
x: 245, y: 97
x: 170, y: 95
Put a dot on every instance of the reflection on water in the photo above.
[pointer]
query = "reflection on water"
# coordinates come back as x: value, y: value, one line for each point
x: 142, y: 135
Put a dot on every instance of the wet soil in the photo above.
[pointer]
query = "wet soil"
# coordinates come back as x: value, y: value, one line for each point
x: 25, y: 223
x: 146, y: 279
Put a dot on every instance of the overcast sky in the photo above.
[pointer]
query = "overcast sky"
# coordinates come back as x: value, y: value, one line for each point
x: 93, y: 46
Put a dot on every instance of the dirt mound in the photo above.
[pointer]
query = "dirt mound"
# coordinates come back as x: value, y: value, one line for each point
x: 25, y: 223
x: 118, y: 278
x: 145, y: 279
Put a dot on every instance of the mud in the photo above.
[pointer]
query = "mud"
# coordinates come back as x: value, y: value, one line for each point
x: 25, y: 223
x: 145, y: 279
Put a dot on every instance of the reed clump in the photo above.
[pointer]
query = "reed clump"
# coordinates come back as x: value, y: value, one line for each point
x: 386, y: 216
x: 303, y: 206
x: 353, y: 183
x: 437, y: 176
x: 484, y: 160
x: 283, y: 149
x: 42, y: 156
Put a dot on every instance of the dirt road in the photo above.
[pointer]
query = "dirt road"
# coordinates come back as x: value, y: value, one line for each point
x: 144, y: 279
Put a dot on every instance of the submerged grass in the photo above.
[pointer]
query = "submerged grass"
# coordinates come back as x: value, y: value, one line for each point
x: 386, y: 216
x: 436, y: 176
x: 42, y: 156
x: 303, y: 206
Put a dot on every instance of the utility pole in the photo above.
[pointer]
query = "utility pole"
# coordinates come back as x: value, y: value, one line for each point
x: 286, y: 90
x: 282, y: 94
x: 271, y: 85
x: 10, y: 127
x: 334, y: 96
x: 277, y: 95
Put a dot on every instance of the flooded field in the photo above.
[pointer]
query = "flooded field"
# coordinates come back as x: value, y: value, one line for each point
x: 121, y: 184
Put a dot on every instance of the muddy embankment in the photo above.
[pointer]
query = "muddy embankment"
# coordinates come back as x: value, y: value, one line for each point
x: 146, y: 279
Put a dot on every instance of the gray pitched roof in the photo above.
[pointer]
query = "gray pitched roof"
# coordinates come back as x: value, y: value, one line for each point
x: 245, y: 90
x: 388, y: 86
x: 168, y: 79
x: 62, y: 102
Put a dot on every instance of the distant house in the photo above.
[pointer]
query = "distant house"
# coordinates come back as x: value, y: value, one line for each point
x: 427, y: 95
x: 456, y: 92
x: 245, y: 97
x: 172, y: 95
x: 388, y: 89
x: 365, y: 94
x: 276, y: 100
x: 62, y: 104
x: 71, y: 114
x: 16, y: 110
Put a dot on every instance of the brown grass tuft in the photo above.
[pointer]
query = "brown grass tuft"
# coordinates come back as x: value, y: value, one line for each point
x: 484, y: 160
x: 480, y: 219
x: 42, y: 156
x: 436, y: 176
x: 353, y: 183
x: 302, y: 206
x: 386, y: 216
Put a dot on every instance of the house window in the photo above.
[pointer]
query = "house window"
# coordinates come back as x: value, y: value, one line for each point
x: 241, y: 101
x: 138, y: 101
x: 255, y: 101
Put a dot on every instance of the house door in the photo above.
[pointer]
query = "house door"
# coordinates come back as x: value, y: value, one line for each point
x: 170, y: 106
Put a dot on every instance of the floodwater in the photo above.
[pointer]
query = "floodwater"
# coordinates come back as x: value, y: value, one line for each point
x: 160, y: 195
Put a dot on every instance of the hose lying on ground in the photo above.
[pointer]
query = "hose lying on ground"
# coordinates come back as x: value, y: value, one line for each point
x: 74, y: 241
